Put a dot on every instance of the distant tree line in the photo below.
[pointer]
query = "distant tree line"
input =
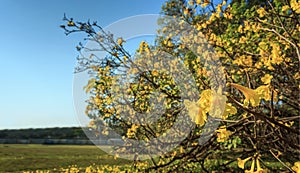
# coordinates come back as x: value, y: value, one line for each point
x: 44, y: 133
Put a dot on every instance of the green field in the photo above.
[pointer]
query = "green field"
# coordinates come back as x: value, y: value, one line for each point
x: 19, y: 157
x: 63, y: 158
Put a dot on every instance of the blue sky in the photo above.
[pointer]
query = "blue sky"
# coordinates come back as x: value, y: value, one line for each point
x: 37, y: 59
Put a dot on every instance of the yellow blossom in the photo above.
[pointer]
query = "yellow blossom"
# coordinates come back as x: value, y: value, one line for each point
x: 261, y: 12
x: 154, y: 73
x: 205, y: 3
x: 228, y: 15
x: 181, y: 149
x: 267, y: 79
x: 297, y: 76
x: 258, y: 168
x: 223, y: 134
x: 264, y: 92
x: 296, y: 167
x: 243, y: 39
x: 243, y: 60
x: 131, y: 132
x: 120, y: 41
x: 250, y: 95
x: 186, y: 11
x: 71, y: 23
x: 275, y: 54
x: 241, y: 163
x: 229, y: 110
x: 295, y: 5
x: 197, y: 115
x: 285, y: 8
x: 217, y: 105
x: 252, y: 167
x: 224, y: 3
x: 240, y: 29
x: 247, y: 25
x: 205, y: 100
x: 219, y: 8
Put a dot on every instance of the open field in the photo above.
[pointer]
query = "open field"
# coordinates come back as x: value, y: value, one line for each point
x: 61, y: 158
x: 19, y: 157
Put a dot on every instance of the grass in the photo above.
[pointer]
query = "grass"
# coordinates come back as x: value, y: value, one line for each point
x: 20, y: 157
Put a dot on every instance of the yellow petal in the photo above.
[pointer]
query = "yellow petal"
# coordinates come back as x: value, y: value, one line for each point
x: 267, y: 79
x: 258, y: 168
x: 229, y: 110
x: 261, y: 12
x: 264, y: 92
x: 252, y: 167
x: 296, y: 167
x: 197, y: 115
x: 120, y: 41
x: 250, y: 95
x: 201, y: 118
x: 241, y: 163
x: 218, y: 101
x: 223, y: 134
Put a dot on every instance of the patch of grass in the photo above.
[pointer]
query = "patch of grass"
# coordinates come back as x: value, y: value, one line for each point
x: 19, y: 157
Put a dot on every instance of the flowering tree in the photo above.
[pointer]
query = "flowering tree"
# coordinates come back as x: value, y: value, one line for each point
x: 257, y: 48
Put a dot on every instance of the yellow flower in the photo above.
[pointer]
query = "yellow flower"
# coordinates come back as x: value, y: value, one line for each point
x: 205, y: 3
x: 243, y: 39
x: 264, y: 92
x: 223, y: 134
x: 131, y: 132
x: 275, y: 57
x: 120, y: 41
x: 170, y: 44
x: 243, y: 60
x: 186, y: 11
x: 247, y: 25
x: 155, y: 73
x: 296, y: 167
x: 181, y: 149
x: 229, y: 110
x: 195, y: 112
x: 267, y: 79
x: 241, y: 163
x: 205, y: 100
x: 240, y: 29
x: 201, y: 118
x: 250, y: 95
x: 252, y: 167
x: 224, y: 3
x: 258, y: 168
x: 295, y: 6
x: 285, y: 8
x: 71, y: 23
x: 143, y: 47
x: 297, y: 76
x: 227, y: 15
x: 217, y: 104
x: 261, y: 12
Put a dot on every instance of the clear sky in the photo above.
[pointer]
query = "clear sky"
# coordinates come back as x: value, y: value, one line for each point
x: 37, y: 59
